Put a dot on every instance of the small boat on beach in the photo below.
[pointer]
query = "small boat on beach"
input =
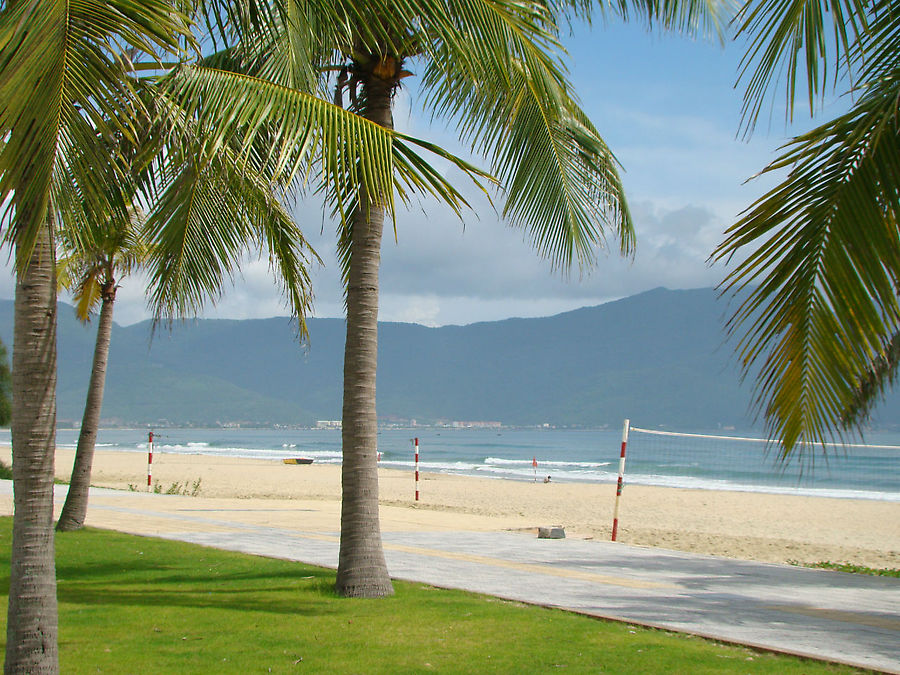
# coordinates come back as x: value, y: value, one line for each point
x: 298, y: 460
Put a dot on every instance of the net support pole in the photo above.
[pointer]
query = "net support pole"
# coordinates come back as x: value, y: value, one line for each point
x: 615, y: 526
x: 149, y: 461
x: 416, y: 441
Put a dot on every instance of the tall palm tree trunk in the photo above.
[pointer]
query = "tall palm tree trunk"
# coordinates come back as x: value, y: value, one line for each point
x: 31, y: 633
x: 75, y: 508
x: 362, y: 571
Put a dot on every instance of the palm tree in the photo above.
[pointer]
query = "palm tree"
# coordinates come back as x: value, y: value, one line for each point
x: 58, y: 78
x: 93, y: 275
x: 493, y: 68
x: 67, y: 82
x: 819, y: 308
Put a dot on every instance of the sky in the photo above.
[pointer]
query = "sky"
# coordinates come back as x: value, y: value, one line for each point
x: 668, y: 108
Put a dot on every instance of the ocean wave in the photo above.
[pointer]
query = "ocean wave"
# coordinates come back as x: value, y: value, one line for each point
x: 584, y: 475
x: 500, y: 461
x: 323, y: 454
x: 692, y: 482
x: 433, y: 467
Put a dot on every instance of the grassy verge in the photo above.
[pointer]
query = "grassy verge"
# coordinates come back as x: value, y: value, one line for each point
x: 851, y: 568
x: 139, y: 605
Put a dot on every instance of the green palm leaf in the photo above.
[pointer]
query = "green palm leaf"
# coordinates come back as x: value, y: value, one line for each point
x: 696, y: 17
x: 511, y: 103
x: 61, y: 87
x: 823, y: 278
x: 881, y: 373
x: 786, y: 36
x: 309, y: 134
x: 211, y: 213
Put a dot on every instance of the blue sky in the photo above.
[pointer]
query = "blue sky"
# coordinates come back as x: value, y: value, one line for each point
x: 668, y: 108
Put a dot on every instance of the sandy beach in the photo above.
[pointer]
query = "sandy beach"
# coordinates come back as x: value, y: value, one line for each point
x: 753, y: 526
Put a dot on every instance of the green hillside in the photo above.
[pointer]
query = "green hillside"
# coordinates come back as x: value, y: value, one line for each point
x: 658, y: 358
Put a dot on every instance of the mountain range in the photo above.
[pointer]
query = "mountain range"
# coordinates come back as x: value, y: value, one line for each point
x: 659, y: 358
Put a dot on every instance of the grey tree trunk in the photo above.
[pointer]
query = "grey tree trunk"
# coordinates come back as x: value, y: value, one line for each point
x: 31, y: 633
x: 362, y: 571
x: 75, y: 508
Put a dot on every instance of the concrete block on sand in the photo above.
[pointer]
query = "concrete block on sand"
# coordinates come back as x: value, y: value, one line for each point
x: 551, y: 533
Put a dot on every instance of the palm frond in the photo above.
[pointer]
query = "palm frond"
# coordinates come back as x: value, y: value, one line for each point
x: 62, y: 86
x: 213, y: 210
x: 414, y: 176
x: 304, y: 132
x: 825, y: 270
x: 299, y: 39
x: 703, y: 18
x: 512, y: 104
x: 300, y: 139
x: 881, y: 374
x: 88, y: 296
x: 787, y: 37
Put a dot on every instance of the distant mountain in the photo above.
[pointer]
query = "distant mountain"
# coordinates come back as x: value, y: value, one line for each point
x: 658, y: 358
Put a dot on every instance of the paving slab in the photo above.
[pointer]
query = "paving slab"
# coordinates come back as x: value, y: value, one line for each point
x: 847, y: 618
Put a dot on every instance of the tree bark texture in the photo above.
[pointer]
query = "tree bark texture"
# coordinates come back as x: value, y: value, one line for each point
x: 75, y: 508
x: 362, y: 571
x: 31, y: 633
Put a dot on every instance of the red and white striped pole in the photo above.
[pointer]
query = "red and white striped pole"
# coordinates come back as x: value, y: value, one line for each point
x: 149, y: 461
x: 615, y: 528
x: 417, y: 468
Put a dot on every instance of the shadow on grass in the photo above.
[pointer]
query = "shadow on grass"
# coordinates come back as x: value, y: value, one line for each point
x: 96, y: 568
x: 282, y: 599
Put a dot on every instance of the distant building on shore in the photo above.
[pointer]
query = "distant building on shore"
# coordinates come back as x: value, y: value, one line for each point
x: 329, y: 424
x: 475, y: 425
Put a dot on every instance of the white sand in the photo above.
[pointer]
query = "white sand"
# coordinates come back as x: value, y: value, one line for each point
x: 756, y: 526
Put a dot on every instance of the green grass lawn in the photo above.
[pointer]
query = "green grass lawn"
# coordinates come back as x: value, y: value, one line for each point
x: 138, y: 605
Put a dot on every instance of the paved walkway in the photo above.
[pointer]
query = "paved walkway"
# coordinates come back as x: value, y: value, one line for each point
x: 829, y: 615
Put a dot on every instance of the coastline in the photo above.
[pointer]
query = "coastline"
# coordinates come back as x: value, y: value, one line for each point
x: 744, y: 525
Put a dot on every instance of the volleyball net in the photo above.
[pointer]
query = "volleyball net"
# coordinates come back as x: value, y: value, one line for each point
x: 743, y: 463
x: 740, y: 462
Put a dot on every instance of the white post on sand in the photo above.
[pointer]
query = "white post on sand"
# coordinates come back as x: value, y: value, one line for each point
x: 417, y: 468
x: 615, y: 527
x: 149, y: 461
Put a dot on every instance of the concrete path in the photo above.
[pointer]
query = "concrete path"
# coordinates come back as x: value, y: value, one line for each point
x: 828, y: 615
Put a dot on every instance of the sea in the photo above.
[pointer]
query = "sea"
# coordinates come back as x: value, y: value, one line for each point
x: 699, y: 461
